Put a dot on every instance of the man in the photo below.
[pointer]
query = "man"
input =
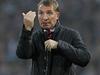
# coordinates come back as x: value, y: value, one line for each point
x: 54, y: 48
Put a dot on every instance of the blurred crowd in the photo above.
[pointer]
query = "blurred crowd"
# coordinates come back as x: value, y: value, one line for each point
x: 83, y: 15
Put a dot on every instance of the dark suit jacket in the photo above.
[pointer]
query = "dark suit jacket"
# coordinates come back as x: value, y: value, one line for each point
x: 70, y: 50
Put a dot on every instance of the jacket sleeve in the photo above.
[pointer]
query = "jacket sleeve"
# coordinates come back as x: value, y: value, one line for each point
x: 25, y: 49
x: 76, y: 52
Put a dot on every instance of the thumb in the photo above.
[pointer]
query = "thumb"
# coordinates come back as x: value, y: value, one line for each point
x: 23, y: 14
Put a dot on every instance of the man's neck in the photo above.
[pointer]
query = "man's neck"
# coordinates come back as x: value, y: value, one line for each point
x: 51, y: 30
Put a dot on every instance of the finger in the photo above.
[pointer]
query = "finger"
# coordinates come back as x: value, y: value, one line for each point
x: 29, y: 12
x: 47, y: 41
x: 34, y: 13
x: 31, y: 15
x: 46, y: 45
x: 49, y: 48
x: 23, y: 14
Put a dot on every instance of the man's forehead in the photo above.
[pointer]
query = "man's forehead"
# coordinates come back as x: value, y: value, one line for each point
x: 45, y: 7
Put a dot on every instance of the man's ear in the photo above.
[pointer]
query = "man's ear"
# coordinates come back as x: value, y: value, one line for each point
x: 58, y: 15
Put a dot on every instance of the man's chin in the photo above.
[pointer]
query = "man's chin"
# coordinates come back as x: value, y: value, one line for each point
x: 46, y: 27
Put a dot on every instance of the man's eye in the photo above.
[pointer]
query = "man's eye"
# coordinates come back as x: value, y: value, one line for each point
x: 49, y: 13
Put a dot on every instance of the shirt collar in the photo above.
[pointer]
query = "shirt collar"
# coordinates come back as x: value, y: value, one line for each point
x: 55, y: 30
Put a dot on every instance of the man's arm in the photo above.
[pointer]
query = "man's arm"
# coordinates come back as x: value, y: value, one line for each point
x: 76, y: 52
x: 25, y: 47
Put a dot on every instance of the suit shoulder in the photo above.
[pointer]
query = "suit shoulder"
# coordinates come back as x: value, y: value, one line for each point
x: 68, y: 29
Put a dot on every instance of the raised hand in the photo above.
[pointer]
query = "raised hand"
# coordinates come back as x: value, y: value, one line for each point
x: 28, y: 20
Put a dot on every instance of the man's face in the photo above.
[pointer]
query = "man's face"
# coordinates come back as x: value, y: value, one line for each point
x: 47, y: 16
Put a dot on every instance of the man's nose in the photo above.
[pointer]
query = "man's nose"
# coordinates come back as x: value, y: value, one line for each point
x: 45, y: 17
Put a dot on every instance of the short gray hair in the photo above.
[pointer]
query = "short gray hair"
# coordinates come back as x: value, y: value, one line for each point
x: 50, y: 2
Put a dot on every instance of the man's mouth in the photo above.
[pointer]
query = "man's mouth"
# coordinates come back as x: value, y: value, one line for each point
x: 45, y: 23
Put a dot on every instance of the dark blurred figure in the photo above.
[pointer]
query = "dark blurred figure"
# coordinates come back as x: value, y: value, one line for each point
x: 53, y: 48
